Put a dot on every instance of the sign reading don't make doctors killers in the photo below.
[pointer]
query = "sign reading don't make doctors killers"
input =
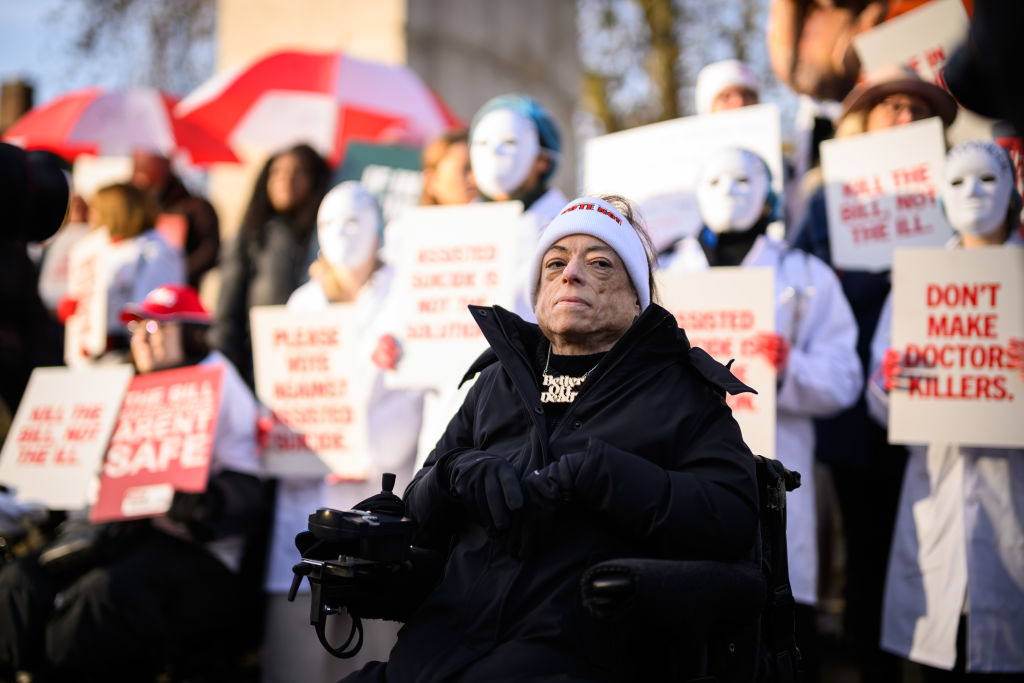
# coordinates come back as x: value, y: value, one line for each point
x: 953, y: 315
x: 162, y: 442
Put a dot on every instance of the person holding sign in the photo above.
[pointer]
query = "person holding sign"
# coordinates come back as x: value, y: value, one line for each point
x: 954, y: 594
x: 813, y: 346
x: 596, y: 433
x: 447, y: 173
x: 152, y: 593
x: 347, y: 271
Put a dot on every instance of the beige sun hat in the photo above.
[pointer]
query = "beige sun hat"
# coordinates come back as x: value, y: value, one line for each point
x: 898, y: 78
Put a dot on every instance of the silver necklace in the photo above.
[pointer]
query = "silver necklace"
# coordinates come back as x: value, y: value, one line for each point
x: 561, y: 389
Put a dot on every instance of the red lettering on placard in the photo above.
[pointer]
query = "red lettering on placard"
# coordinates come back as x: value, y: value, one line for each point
x: 963, y: 325
x: 905, y: 228
x: 306, y: 336
x: 89, y: 411
x: 432, y: 305
x: 870, y: 233
x: 910, y: 175
x: 973, y: 356
x: 32, y: 456
x: 47, y: 414
x: 963, y: 294
x: 435, y: 280
x: 449, y: 330
x: 469, y: 252
x: 311, y: 363
x: 715, y: 320
x: 935, y: 56
x: 969, y: 387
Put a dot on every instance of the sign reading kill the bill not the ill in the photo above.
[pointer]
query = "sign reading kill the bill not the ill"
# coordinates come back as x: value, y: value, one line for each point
x: 882, y: 192
x: 658, y: 165
x: 162, y: 442
x: 85, y: 331
x: 306, y: 368
x: 446, y: 259
x: 722, y: 310
x: 60, y: 433
x: 953, y: 314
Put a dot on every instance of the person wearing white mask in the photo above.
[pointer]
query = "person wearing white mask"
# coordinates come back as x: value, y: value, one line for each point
x: 347, y: 270
x: 514, y: 145
x: 954, y: 594
x: 813, y: 349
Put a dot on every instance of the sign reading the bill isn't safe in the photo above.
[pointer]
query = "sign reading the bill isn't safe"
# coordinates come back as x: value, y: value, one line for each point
x: 162, y: 442
x: 955, y: 313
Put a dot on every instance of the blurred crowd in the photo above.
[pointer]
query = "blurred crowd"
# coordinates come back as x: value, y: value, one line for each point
x: 858, y: 527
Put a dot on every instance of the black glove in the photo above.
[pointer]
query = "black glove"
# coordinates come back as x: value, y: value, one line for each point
x: 556, y: 483
x: 533, y: 526
x: 197, y: 511
x: 487, y: 486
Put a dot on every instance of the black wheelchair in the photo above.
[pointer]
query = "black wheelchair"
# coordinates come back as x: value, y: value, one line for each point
x: 723, y: 622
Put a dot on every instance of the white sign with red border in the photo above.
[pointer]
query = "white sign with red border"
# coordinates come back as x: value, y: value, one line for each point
x: 953, y: 314
x: 59, y: 435
x: 722, y: 310
x: 882, y: 192
x: 308, y: 374
x: 85, y: 331
x: 162, y: 443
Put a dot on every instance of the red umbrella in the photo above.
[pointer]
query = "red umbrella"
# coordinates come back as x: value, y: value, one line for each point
x: 115, y: 122
x: 324, y: 99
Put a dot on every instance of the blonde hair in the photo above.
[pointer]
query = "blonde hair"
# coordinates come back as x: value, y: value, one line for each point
x: 123, y: 210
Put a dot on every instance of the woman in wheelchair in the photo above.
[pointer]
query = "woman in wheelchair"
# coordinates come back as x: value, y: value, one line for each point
x: 597, y: 433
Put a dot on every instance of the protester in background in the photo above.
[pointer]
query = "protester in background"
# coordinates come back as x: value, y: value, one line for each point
x: 514, y: 144
x: 350, y: 233
x: 137, y: 259
x: 813, y: 349
x: 269, y: 256
x: 850, y: 444
x: 596, y: 433
x: 447, y: 174
x: 954, y: 592
x: 159, y: 593
x: 728, y: 84
x: 152, y: 174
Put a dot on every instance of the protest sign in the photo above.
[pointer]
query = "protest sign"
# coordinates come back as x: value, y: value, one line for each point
x: 445, y: 259
x: 722, y: 310
x: 953, y: 314
x: 658, y: 165
x: 307, y: 374
x: 390, y: 172
x: 162, y: 442
x: 882, y: 192
x: 85, y: 331
x: 59, y: 435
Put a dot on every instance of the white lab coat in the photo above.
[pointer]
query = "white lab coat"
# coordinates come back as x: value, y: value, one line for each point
x: 822, y: 377
x: 393, y: 428
x: 958, y: 544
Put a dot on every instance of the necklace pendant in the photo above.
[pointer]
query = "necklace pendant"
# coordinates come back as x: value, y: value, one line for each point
x: 560, y: 389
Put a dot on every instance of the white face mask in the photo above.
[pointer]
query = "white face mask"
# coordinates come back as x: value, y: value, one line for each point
x: 347, y: 226
x: 976, y: 186
x: 732, y: 190
x: 504, y: 146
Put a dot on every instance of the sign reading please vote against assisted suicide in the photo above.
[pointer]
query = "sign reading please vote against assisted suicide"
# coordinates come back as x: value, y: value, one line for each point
x: 445, y: 259
x: 306, y: 373
x: 162, y: 442
x: 722, y: 310
x: 59, y: 435
x: 882, y: 192
x: 953, y: 314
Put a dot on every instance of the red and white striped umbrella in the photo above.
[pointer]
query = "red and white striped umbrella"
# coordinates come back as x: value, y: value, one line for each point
x: 323, y: 99
x: 115, y: 122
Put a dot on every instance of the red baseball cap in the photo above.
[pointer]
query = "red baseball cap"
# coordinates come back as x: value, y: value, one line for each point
x: 168, y: 303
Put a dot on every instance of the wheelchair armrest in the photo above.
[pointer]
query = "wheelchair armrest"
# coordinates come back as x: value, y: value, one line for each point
x: 695, y: 596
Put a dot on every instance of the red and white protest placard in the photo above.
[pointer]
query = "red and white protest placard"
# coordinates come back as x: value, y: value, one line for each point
x: 722, y: 310
x: 658, y: 165
x: 59, y: 435
x: 445, y: 259
x: 308, y: 374
x: 922, y: 38
x: 882, y: 192
x: 85, y: 331
x: 953, y: 314
x: 162, y: 442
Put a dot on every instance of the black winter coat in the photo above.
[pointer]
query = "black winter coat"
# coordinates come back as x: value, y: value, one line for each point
x: 669, y: 477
